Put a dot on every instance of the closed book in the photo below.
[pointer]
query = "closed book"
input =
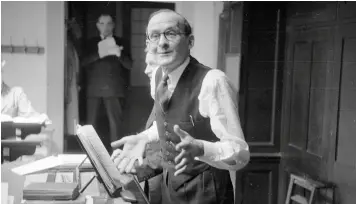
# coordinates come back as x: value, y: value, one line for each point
x: 51, y: 191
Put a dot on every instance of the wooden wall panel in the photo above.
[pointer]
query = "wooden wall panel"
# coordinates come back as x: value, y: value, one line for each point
x: 259, y: 95
x: 258, y: 183
x: 344, y: 169
x: 346, y: 10
x: 261, y: 82
x: 310, y: 56
x: 300, y: 94
x: 302, y: 13
x: 329, y: 29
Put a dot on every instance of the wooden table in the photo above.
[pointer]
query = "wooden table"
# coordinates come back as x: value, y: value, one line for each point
x: 34, y: 145
x: 95, y: 189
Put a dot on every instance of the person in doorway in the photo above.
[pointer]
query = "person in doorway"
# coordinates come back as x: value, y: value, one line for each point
x: 196, y: 120
x: 107, y: 62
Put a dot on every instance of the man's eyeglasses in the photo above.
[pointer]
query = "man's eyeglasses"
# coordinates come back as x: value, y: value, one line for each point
x: 169, y: 35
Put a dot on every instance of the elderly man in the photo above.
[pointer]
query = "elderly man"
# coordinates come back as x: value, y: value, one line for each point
x: 107, y: 62
x: 196, y: 120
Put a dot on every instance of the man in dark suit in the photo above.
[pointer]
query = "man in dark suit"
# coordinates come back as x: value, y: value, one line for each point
x: 107, y: 63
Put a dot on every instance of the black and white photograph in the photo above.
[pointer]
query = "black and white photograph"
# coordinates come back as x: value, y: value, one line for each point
x: 178, y: 102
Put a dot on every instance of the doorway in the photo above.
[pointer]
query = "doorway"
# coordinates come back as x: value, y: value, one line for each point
x: 131, y: 19
x: 139, y: 102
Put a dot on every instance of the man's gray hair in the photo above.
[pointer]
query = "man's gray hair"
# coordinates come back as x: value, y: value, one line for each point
x: 186, y: 25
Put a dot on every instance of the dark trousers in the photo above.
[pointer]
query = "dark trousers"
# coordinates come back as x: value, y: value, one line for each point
x: 213, y: 186
x: 113, y: 107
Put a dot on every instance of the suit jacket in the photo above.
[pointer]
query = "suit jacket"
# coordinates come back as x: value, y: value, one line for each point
x: 108, y: 76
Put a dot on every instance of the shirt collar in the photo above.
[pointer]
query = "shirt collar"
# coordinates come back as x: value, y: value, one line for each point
x: 102, y: 36
x: 174, y: 76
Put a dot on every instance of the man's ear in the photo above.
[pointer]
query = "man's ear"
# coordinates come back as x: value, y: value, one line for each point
x: 191, y: 41
x: 147, y: 45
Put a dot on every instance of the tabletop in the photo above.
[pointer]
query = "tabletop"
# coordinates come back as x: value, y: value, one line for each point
x: 93, y: 194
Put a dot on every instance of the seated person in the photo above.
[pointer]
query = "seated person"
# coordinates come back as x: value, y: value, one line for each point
x: 15, y: 106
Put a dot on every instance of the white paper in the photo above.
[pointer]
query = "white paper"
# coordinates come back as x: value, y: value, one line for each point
x: 4, y: 192
x: 43, y: 118
x: 105, y: 45
x: 35, y: 178
x: 64, y: 177
x: 50, y: 162
x: 110, y: 42
x: 39, y: 165
x: 10, y: 200
x: 6, y: 118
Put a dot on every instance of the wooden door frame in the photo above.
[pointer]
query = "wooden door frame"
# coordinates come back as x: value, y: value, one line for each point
x: 126, y: 13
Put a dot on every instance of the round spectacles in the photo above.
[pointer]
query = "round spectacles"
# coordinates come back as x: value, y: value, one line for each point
x: 169, y: 35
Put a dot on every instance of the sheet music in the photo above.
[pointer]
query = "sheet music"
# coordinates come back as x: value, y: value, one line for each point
x: 101, y: 159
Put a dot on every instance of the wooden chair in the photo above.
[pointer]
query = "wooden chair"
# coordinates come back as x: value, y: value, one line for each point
x: 306, y: 184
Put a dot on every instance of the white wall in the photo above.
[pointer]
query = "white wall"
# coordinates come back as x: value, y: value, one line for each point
x: 55, y: 65
x: 204, y: 18
x: 41, y: 76
x: 25, y: 70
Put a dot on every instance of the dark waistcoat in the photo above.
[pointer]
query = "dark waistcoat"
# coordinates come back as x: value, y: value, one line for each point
x: 183, y: 110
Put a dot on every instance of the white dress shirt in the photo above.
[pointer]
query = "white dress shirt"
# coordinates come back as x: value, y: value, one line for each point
x: 15, y: 106
x: 15, y: 103
x: 218, y: 101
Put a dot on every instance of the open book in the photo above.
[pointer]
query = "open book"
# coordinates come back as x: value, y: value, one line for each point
x: 114, y: 182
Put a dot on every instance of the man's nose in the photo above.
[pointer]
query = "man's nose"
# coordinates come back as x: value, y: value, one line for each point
x: 162, y: 42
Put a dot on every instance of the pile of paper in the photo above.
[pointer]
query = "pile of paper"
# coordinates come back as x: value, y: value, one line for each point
x: 61, y: 160
x: 39, y: 119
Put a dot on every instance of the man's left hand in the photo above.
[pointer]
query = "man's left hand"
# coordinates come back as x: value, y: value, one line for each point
x: 189, y: 149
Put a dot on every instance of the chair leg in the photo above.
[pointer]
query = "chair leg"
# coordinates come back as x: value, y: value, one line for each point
x: 312, y: 196
x: 289, y: 193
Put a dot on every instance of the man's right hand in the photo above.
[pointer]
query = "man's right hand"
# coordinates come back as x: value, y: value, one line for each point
x: 134, y: 147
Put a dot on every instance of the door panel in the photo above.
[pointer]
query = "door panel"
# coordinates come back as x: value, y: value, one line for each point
x: 319, y: 111
x: 261, y: 83
x: 310, y: 54
x: 260, y: 185
x: 344, y: 170
x: 259, y: 95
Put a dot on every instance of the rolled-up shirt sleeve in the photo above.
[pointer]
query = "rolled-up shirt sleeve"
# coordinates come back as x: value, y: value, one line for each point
x: 152, y: 132
x: 24, y: 106
x: 218, y: 101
